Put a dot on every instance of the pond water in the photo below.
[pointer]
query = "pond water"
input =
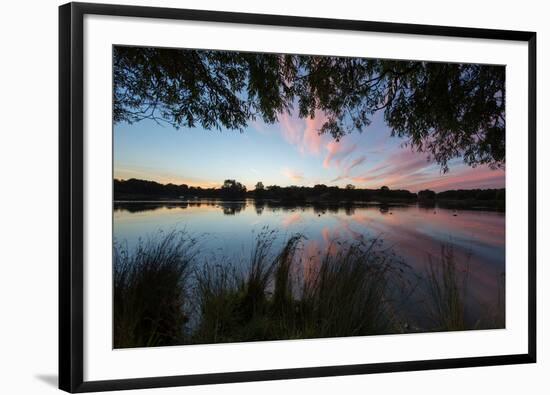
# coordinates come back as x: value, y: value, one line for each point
x: 413, y: 232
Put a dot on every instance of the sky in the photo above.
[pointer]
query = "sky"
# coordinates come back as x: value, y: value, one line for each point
x: 288, y: 152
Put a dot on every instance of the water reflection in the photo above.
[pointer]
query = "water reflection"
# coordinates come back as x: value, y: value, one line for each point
x: 414, y: 232
x: 232, y: 207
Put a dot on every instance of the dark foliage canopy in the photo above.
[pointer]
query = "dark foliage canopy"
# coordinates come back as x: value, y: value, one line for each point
x: 426, y: 194
x: 134, y: 189
x: 447, y: 110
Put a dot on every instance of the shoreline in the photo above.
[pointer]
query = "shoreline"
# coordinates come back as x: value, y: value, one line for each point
x: 468, y: 204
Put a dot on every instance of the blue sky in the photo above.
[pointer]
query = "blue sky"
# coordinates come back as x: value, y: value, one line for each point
x: 288, y: 152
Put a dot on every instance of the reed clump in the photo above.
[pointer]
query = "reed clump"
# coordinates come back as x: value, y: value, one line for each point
x: 150, y: 291
x: 447, y: 286
x: 165, y: 293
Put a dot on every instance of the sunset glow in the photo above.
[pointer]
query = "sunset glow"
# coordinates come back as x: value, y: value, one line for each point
x: 263, y: 197
x: 288, y: 152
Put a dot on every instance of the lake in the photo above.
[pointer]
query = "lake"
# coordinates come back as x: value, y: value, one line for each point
x: 414, y: 233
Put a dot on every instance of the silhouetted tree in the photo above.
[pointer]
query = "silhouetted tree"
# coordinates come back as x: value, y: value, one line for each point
x: 323, y: 196
x: 135, y: 187
x: 384, y: 191
x: 232, y: 188
x: 448, y: 110
x: 426, y: 194
x: 473, y: 194
x: 259, y: 190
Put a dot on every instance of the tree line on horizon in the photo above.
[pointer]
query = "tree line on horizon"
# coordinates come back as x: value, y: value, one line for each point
x: 135, y: 189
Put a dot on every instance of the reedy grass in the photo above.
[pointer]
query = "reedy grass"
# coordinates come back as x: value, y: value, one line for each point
x: 250, y: 305
x: 349, y: 293
x: 345, y: 294
x: 494, y: 317
x: 447, y: 287
x: 150, y: 291
x: 165, y: 294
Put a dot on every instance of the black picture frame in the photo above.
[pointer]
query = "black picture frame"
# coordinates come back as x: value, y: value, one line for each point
x: 71, y: 204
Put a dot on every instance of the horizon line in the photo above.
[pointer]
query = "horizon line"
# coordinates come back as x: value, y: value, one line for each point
x: 302, y: 186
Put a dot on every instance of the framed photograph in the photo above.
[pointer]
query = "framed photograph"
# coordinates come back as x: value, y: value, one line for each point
x: 253, y: 197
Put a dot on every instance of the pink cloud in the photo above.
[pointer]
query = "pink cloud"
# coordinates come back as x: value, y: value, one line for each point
x: 468, y: 178
x: 291, y: 129
x: 337, y: 151
x: 304, y: 135
x: 293, y: 174
x: 356, y: 162
x: 345, y: 163
x: 411, y: 170
x: 349, y: 166
x: 401, y: 168
x: 395, y: 170
x: 312, y: 139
